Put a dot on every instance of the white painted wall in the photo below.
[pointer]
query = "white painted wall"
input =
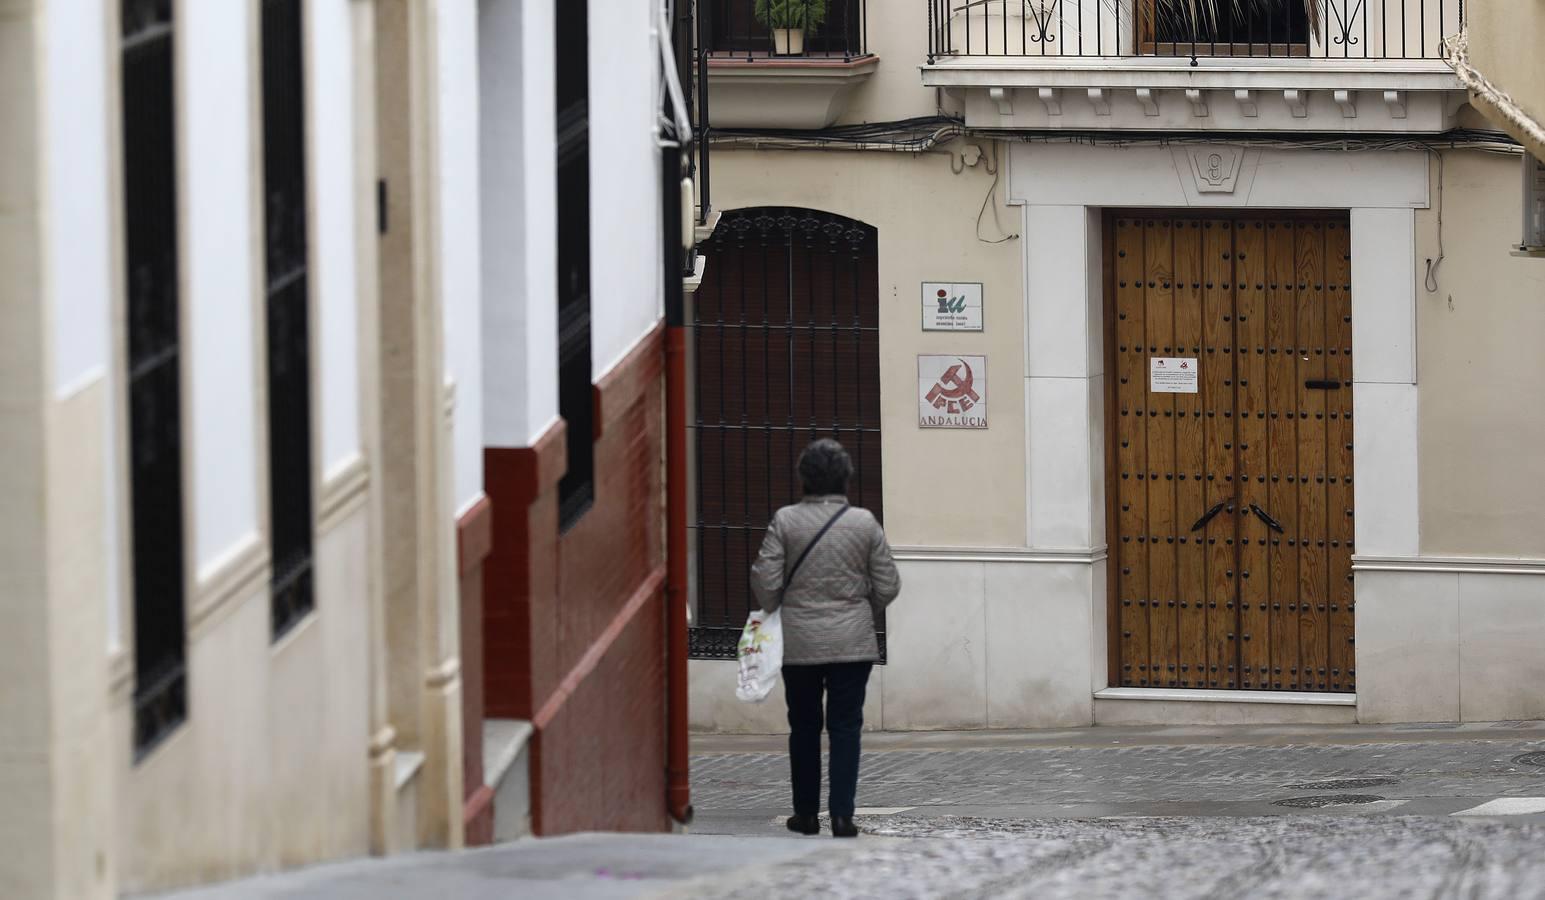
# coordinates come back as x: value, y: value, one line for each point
x: 460, y: 275
x: 75, y: 183
x: 519, y: 207
x: 334, y: 292
x: 79, y: 260
x: 625, y: 274
x: 216, y: 162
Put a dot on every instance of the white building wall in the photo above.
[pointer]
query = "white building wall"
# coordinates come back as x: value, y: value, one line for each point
x: 334, y: 288
x: 75, y: 175
x: 625, y: 277
x: 519, y: 205
x: 79, y: 272
x: 460, y: 276
x: 219, y: 256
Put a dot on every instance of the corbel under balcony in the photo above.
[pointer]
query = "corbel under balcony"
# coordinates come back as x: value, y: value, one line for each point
x: 802, y: 93
x: 1151, y: 94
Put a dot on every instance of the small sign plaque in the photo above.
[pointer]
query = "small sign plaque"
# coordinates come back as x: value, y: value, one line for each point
x: 1172, y: 374
x: 952, y: 307
x: 952, y: 392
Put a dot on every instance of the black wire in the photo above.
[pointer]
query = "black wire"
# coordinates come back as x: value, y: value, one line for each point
x: 920, y: 132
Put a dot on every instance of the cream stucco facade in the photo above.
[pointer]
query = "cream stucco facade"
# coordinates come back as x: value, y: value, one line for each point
x: 1004, y: 617
x: 1498, y: 56
x: 288, y: 752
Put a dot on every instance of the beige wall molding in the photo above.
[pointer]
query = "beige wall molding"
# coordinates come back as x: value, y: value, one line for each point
x: 1462, y: 565
x: 120, y: 675
x: 443, y: 674
x: 343, y: 493
x: 383, y: 741
x: 1296, y: 698
x: 239, y: 574
x: 1085, y: 556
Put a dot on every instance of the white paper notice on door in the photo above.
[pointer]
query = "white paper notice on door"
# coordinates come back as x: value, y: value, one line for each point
x: 1172, y: 374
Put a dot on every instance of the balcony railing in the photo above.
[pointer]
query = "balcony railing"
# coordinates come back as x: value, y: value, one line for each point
x: 1193, y: 29
x: 805, y: 29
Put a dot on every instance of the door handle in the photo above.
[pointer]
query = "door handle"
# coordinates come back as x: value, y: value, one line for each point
x: 1210, y: 513
x: 1271, y: 523
x: 1323, y: 384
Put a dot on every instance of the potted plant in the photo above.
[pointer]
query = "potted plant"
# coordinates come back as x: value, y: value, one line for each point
x: 789, y: 21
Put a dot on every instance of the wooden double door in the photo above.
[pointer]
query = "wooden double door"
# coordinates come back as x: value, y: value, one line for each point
x: 1230, y: 451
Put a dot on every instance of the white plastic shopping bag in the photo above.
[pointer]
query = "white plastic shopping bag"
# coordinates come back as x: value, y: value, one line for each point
x: 761, y: 656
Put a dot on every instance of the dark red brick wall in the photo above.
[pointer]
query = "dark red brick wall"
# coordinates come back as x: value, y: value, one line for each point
x: 474, y: 540
x: 573, y: 624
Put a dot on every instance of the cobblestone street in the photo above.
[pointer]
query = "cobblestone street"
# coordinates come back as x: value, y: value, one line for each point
x: 1281, y: 812
x: 740, y: 784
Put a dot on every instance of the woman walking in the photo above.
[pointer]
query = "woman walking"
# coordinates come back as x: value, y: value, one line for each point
x: 828, y: 567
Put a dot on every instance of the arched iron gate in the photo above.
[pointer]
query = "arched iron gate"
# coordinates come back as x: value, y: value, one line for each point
x: 786, y: 344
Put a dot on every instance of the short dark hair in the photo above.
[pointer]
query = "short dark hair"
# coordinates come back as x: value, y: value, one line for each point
x: 824, y: 468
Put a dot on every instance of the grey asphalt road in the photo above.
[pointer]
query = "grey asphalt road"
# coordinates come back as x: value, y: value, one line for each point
x: 1264, y: 813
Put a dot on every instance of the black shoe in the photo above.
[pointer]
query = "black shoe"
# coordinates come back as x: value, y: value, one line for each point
x: 804, y: 824
x: 842, y: 826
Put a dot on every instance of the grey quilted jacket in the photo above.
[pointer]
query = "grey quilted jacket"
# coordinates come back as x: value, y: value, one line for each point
x: 829, y: 609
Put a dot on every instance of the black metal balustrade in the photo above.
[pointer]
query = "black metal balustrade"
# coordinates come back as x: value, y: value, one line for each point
x: 758, y: 29
x: 1308, y: 29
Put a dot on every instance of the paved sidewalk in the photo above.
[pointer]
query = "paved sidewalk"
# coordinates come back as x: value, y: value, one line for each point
x: 1355, y: 811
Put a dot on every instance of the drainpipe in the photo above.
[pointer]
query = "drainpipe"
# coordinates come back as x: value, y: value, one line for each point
x: 678, y: 790
x: 679, y: 796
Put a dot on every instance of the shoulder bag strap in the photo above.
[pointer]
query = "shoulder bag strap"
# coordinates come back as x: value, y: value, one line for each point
x: 811, y: 546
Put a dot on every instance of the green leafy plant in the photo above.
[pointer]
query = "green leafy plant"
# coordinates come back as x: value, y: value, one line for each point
x: 1204, y: 16
x: 806, y: 14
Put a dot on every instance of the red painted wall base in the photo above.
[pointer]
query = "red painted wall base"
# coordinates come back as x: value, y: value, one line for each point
x: 574, y: 624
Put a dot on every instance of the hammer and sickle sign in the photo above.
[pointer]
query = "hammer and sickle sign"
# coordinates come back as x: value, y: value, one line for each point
x: 953, y: 392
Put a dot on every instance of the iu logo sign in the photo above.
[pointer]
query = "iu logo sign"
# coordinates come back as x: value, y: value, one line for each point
x: 952, y: 391
x: 951, y: 306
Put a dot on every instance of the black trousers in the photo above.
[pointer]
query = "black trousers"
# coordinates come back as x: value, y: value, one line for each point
x: 843, y: 685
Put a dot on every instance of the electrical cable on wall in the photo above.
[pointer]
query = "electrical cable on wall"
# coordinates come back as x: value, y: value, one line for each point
x: 1433, y: 264
x: 925, y: 132
x: 991, y: 192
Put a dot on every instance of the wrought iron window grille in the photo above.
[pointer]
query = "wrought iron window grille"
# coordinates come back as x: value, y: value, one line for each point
x: 154, y: 376
x: 835, y: 30
x: 287, y: 261
x: 785, y: 336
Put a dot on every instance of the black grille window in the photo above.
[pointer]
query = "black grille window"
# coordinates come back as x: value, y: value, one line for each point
x: 155, y: 438
x: 576, y: 492
x: 786, y: 340
x: 289, y: 382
